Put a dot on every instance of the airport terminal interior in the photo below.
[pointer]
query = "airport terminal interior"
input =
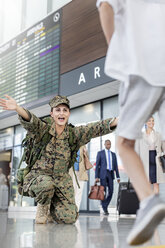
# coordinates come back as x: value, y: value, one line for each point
x: 49, y: 48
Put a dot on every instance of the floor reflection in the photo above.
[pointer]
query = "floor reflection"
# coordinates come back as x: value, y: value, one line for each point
x: 90, y: 231
x: 56, y: 235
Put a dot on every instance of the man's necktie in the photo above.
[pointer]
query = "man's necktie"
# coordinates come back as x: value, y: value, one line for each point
x: 109, y: 160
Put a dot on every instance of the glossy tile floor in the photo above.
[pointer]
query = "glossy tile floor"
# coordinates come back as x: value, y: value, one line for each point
x: 18, y: 230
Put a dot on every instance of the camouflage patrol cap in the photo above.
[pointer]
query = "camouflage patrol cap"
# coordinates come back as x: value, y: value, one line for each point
x: 57, y: 100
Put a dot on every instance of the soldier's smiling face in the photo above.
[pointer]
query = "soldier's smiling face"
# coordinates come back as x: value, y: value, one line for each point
x: 60, y: 114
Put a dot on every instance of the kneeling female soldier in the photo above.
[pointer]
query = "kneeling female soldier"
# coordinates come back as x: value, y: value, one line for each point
x: 48, y: 180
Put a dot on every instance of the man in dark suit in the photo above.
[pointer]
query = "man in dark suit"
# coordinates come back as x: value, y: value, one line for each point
x: 106, y: 165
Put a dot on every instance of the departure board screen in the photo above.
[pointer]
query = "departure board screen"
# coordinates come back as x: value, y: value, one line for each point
x: 29, y: 63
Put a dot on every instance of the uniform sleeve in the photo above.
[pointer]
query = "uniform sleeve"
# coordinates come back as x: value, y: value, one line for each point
x: 35, y: 126
x: 116, y: 4
x: 85, y: 133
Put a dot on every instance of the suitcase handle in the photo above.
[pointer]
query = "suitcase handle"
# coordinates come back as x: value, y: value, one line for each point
x: 128, y: 184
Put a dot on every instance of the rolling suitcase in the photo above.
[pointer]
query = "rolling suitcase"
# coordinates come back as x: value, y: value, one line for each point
x: 127, y: 201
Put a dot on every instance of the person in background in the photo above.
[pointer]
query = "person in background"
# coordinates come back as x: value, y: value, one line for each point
x: 150, y: 148
x: 136, y: 57
x: 81, y: 174
x: 3, y: 180
x: 106, y: 167
x: 3, y: 191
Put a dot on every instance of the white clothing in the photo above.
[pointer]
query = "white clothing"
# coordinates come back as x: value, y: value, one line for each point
x: 106, y: 154
x: 150, y: 140
x: 3, y: 179
x: 3, y: 196
x: 137, y: 46
x: 78, y: 191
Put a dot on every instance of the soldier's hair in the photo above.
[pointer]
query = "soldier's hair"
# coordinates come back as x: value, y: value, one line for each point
x: 107, y: 140
x: 62, y: 104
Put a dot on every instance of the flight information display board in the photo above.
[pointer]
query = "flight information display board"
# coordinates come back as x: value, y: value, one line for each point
x: 30, y: 63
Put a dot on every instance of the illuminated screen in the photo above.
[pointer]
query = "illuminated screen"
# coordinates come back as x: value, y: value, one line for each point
x: 29, y: 63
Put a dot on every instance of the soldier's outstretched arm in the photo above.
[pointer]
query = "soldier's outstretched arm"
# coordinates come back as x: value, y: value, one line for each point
x: 85, y: 133
x: 10, y: 104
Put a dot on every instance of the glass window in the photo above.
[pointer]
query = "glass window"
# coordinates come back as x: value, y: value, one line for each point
x: 12, y: 11
x: 57, y: 4
x: 156, y: 121
x: 20, y: 133
x: 6, y: 138
x: 82, y: 116
x: 85, y: 114
x: 35, y: 11
x: 110, y: 107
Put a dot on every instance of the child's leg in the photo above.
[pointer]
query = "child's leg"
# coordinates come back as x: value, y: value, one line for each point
x: 152, y: 210
x: 138, y: 102
x: 134, y: 167
x: 156, y: 188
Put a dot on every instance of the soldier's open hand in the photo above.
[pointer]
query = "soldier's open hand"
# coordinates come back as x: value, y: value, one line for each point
x: 115, y: 122
x: 9, y: 104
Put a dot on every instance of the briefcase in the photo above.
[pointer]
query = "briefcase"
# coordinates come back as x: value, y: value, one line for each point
x: 96, y: 192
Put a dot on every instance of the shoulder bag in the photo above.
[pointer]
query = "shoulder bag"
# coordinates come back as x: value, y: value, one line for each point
x: 87, y: 163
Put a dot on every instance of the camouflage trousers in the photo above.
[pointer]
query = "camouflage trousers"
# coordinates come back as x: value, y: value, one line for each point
x: 59, y: 193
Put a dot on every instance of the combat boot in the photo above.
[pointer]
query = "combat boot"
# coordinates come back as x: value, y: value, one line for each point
x: 41, y: 215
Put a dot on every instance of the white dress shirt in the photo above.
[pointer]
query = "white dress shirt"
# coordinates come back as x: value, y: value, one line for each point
x: 137, y: 46
x: 106, y: 153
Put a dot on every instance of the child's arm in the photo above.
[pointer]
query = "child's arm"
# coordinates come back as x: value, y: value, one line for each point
x: 106, y: 14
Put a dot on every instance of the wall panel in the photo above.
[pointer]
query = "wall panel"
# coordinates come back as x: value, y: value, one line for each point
x: 82, y: 37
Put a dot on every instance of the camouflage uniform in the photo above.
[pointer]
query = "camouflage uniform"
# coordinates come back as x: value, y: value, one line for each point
x: 48, y: 181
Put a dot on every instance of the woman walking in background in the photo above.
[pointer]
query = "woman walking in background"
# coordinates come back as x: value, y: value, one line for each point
x: 150, y: 148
